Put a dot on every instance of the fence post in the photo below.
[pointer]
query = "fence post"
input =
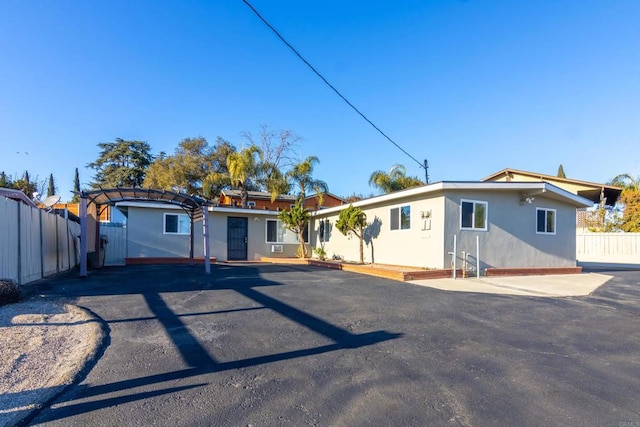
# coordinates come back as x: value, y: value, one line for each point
x: 41, y: 245
x: 57, y: 245
x: 66, y: 221
x: 83, y: 235
x: 19, y: 244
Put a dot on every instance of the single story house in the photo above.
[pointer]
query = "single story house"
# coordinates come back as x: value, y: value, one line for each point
x: 158, y: 231
x: 504, y: 224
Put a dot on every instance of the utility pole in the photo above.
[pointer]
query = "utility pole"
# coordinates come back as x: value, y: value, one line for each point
x: 425, y: 165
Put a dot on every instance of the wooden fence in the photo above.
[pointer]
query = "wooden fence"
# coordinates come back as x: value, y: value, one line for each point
x: 34, y: 243
x: 618, y: 248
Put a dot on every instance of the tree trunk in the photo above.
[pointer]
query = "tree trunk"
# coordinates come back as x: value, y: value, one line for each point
x: 303, y: 247
x: 361, y: 238
x: 243, y: 197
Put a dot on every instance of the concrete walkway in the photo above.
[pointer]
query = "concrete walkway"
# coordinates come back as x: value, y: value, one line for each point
x: 561, y: 285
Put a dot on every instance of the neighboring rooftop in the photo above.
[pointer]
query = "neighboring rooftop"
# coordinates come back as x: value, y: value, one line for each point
x: 593, y: 191
x: 258, y: 195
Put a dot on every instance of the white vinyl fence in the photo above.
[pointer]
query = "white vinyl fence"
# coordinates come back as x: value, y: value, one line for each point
x: 34, y: 243
x: 617, y: 248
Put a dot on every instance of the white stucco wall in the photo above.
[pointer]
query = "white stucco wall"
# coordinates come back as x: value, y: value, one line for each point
x: 510, y: 241
x: 419, y: 246
x: 146, y: 237
x: 257, y: 245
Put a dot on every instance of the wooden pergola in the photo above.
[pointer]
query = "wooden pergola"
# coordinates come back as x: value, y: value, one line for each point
x: 194, y: 206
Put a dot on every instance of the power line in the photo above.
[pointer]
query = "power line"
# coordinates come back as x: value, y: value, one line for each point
x: 421, y: 164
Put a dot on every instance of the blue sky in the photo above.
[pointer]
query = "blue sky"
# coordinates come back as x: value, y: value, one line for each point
x: 472, y: 86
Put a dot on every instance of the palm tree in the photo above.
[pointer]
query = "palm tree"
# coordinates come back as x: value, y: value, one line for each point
x: 630, y: 199
x: 242, y: 166
x: 273, y: 179
x: 214, y: 183
x: 626, y: 181
x: 295, y: 220
x: 301, y: 176
x: 395, y: 180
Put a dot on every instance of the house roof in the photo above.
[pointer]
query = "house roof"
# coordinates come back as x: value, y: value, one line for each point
x: 588, y: 190
x: 326, y: 194
x: 530, y: 188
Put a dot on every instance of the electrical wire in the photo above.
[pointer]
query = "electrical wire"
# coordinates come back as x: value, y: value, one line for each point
x: 421, y: 164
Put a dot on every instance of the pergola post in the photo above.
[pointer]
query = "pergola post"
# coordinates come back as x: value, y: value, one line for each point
x: 83, y: 235
x: 98, y: 248
x: 205, y: 233
x: 191, y: 238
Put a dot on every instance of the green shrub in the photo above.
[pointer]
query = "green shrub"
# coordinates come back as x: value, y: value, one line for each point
x: 321, y: 253
x: 9, y: 291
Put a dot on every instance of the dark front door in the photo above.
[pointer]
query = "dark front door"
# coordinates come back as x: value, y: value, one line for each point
x: 237, y: 238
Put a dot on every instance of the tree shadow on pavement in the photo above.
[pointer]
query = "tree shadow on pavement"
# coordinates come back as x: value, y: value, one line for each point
x: 152, y: 282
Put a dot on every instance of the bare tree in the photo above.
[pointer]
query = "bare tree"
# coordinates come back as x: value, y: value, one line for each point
x: 278, y: 147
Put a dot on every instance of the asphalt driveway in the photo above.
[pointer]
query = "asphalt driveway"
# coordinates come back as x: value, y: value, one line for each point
x: 296, y: 345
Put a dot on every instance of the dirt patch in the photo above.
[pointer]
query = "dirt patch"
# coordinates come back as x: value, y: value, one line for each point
x: 43, y: 348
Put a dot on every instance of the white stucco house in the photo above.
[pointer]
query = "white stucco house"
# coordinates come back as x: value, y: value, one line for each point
x: 157, y: 232
x: 507, y: 225
x: 494, y: 225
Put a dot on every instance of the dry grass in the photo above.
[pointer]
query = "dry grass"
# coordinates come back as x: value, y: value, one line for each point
x: 43, y: 347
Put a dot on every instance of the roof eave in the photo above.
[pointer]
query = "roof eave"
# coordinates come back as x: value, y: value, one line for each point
x: 538, y: 187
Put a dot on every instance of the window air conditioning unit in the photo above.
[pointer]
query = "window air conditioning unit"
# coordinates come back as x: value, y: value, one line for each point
x: 276, y: 248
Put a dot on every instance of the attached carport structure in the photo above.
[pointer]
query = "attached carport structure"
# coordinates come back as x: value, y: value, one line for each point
x: 195, y: 207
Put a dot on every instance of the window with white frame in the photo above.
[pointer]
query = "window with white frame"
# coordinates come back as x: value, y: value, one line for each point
x: 400, y: 218
x: 323, y: 230
x: 275, y: 231
x: 251, y: 204
x: 545, y: 221
x: 177, y: 224
x: 473, y: 215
